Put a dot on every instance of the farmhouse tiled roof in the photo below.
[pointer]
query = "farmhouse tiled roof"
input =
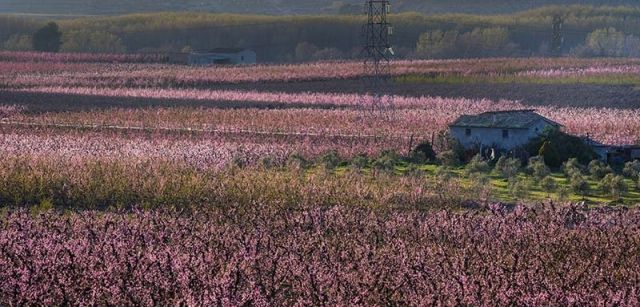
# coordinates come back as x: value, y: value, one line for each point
x: 220, y: 51
x: 514, y: 119
x: 227, y: 50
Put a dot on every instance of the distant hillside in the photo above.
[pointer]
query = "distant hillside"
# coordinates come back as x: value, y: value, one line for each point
x: 279, y: 7
x: 587, y: 31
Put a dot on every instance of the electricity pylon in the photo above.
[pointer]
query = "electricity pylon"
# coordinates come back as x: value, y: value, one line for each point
x: 378, y: 53
x: 558, y: 38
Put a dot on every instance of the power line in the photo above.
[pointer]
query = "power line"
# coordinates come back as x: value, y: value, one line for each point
x: 4, y: 122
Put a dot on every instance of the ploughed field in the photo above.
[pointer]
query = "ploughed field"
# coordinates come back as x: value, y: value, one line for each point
x: 269, y: 185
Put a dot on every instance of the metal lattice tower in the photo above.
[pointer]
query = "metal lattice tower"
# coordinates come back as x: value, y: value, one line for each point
x: 378, y: 52
x: 558, y: 38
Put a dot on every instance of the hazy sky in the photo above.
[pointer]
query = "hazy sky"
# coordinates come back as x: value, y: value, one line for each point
x: 102, y: 7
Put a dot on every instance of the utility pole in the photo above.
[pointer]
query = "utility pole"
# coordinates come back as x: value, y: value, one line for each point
x: 378, y: 53
x: 558, y: 37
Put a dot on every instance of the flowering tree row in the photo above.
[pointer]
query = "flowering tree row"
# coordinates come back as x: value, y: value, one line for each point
x: 9, y: 111
x: 307, y: 99
x: 94, y: 183
x: 416, y: 115
x: 48, y: 57
x: 323, y: 256
x: 588, y: 71
x: 203, y: 151
x: 17, y: 71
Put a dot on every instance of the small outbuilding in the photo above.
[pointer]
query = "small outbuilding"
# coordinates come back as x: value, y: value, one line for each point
x: 506, y: 130
x: 602, y: 150
x: 615, y: 154
x: 223, y: 56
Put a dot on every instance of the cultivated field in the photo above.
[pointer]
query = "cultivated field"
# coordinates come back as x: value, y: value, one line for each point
x: 337, y: 256
x: 86, y: 110
x: 269, y: 185
x: 280, y: 101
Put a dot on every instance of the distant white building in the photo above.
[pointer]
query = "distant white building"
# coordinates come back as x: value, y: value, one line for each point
x: 223, y: 56
x: 505, y: 130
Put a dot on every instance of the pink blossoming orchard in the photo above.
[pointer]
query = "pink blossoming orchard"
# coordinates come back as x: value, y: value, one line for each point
x: 128, y: 181
x: 337, y: 256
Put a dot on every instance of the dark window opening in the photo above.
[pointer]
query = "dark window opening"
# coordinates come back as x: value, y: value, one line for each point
x: 242, y: 58
x: 505, y: 134
x: 467, y: 132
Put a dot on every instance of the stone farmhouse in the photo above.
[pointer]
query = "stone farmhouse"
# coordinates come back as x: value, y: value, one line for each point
x: 506, y: 130
x: 509, y: 130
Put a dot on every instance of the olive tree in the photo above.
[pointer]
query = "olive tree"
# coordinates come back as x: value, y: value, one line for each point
x: 549, y: 185
x: 613, y: 185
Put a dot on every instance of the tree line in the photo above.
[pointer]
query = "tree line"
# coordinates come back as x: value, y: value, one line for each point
x: 586, y: 31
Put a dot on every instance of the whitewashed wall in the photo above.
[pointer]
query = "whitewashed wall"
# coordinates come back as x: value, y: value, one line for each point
x: 493, y: 136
